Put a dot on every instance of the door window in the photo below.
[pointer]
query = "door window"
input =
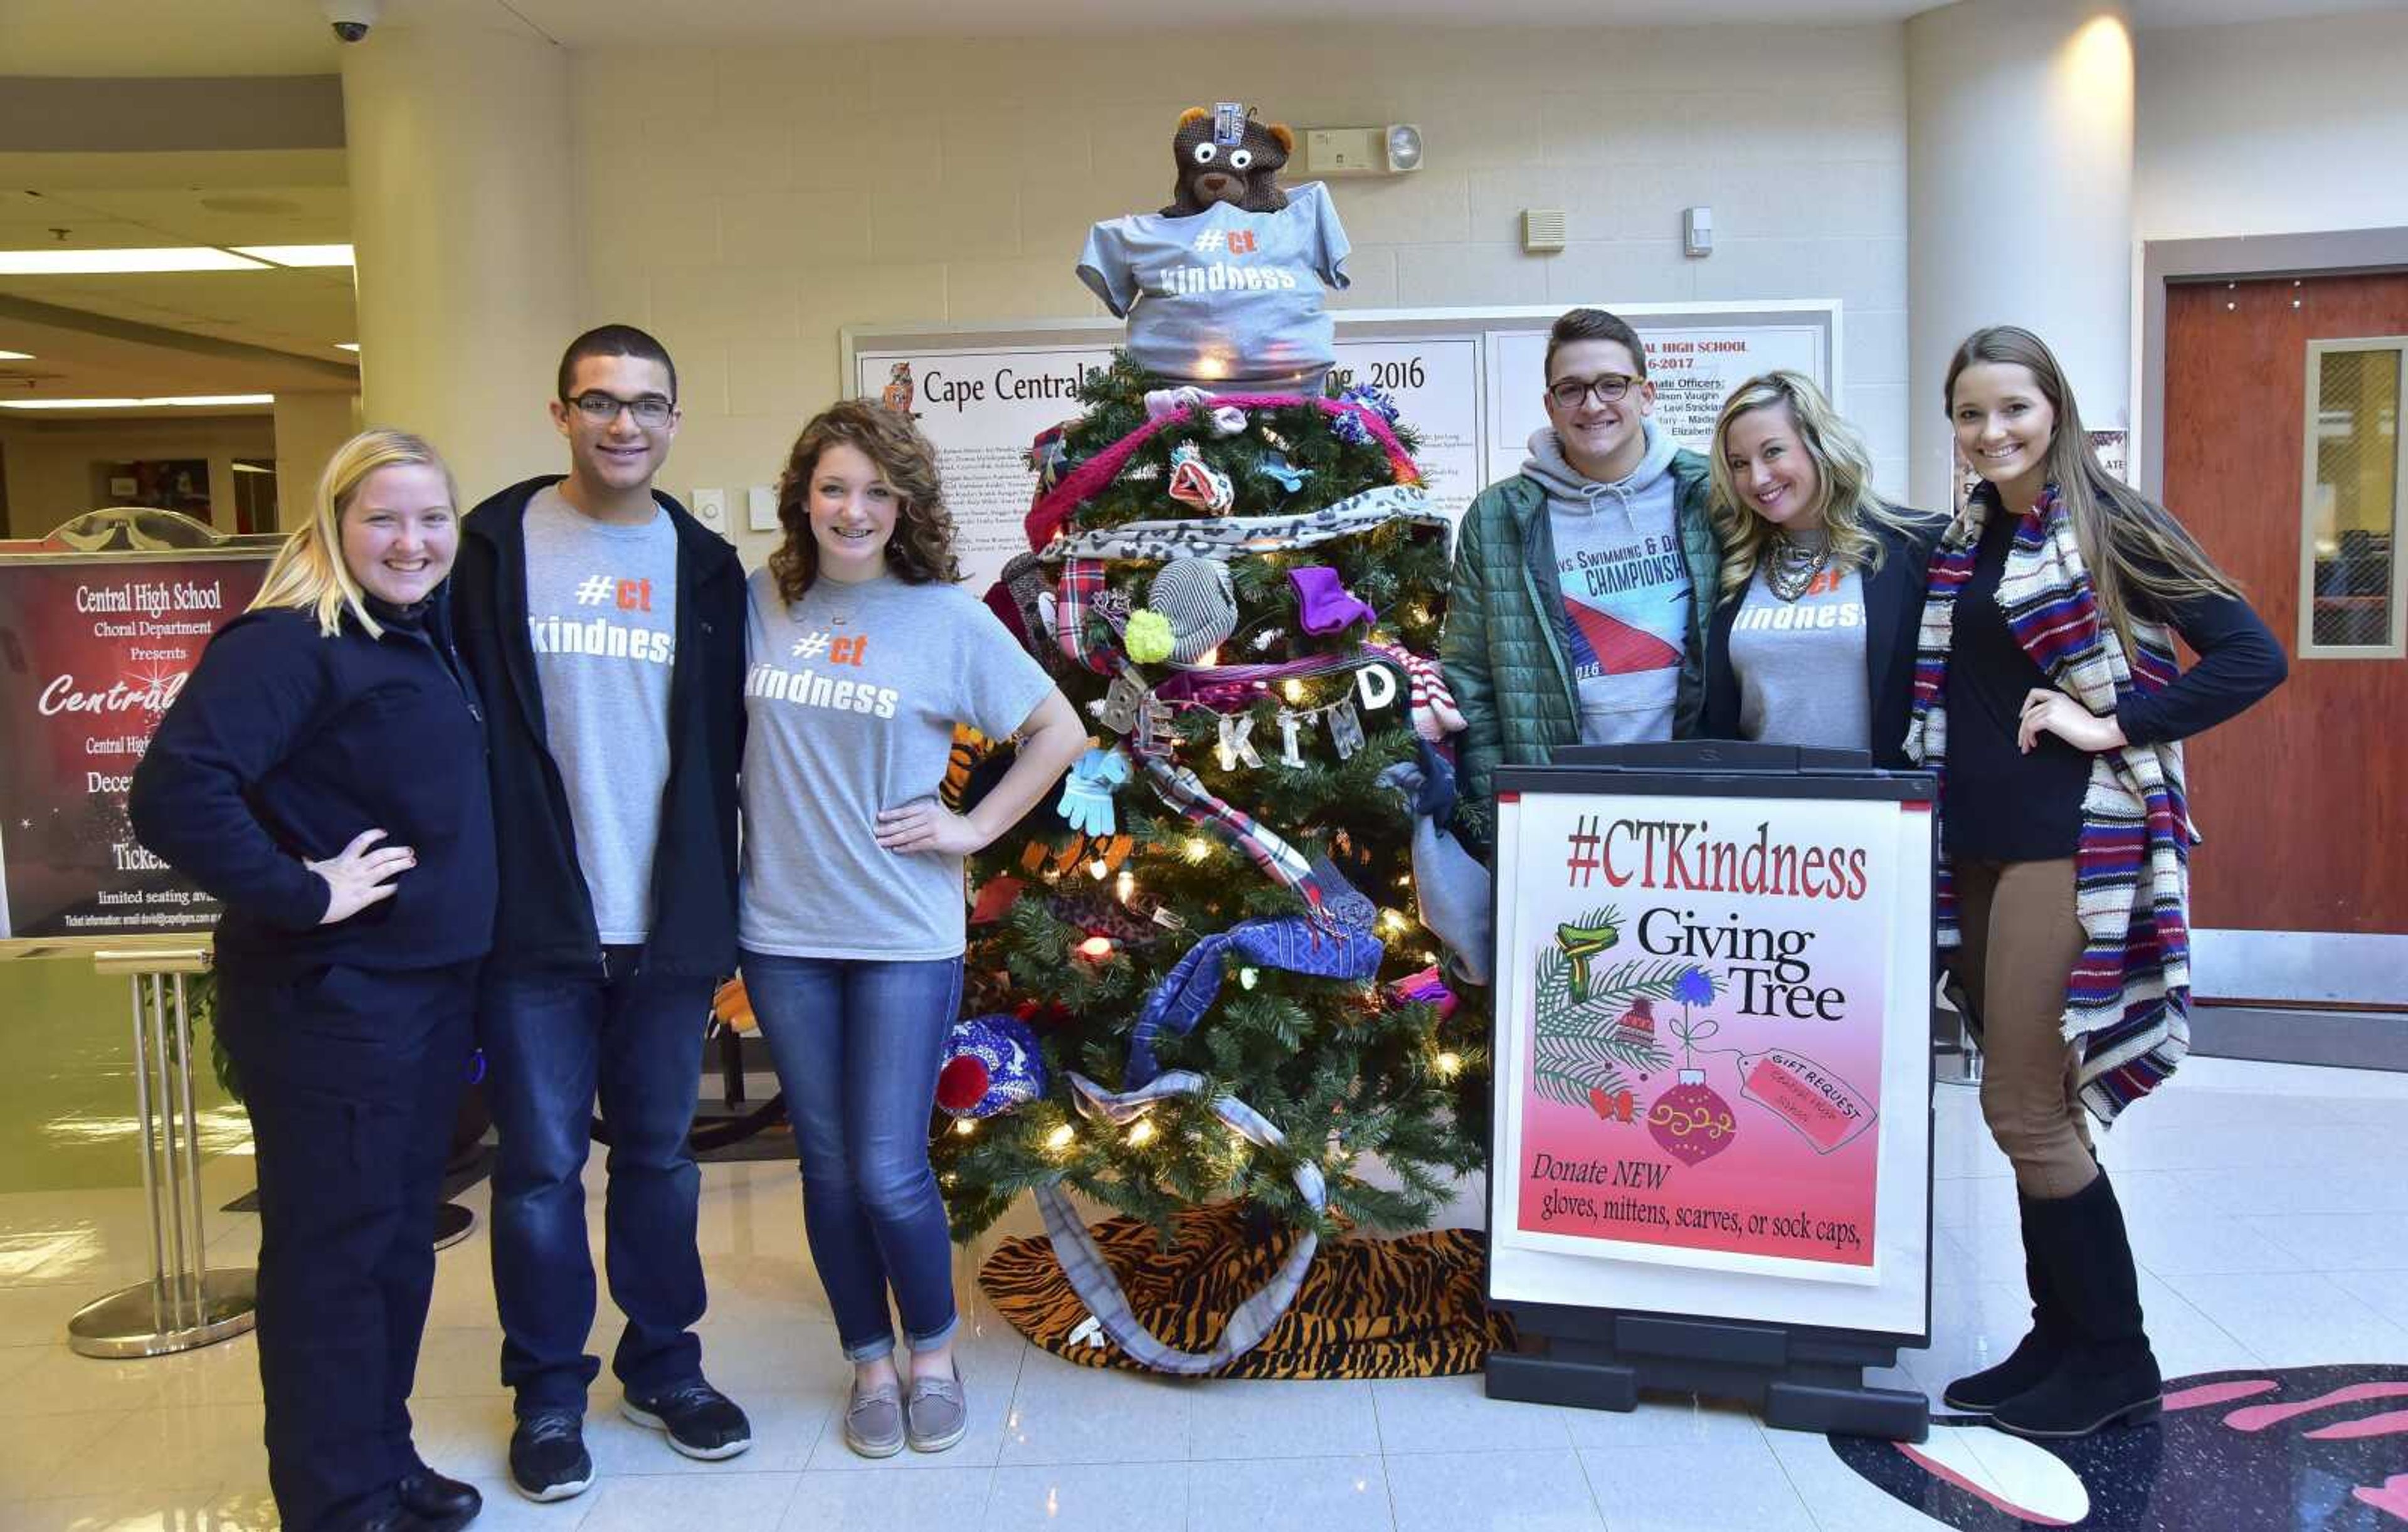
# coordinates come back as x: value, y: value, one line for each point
x: 2351, y: 576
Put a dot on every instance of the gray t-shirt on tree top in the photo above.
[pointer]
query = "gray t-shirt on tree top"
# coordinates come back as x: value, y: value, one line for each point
x: 1801, y: 664
x: 1224, y: 296
x: 602, y: 615
x: 850, y: 696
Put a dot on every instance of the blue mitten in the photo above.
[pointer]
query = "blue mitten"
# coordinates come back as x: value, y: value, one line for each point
x: 1086, y: 803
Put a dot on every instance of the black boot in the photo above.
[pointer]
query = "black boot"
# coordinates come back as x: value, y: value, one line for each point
x: 2034, y: 1357
x: 2108, y: 1376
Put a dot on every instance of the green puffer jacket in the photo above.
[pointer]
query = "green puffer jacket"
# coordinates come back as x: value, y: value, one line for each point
x: 1504, y: 647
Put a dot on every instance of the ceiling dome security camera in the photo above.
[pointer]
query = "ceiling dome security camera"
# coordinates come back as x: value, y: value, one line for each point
x: 351, y: 19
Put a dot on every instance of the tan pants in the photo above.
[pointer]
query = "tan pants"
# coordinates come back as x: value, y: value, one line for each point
x: 2020, y: 941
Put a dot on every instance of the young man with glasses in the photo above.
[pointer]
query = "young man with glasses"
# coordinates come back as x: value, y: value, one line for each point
x: 1581, y: 584
x: 606, y: 628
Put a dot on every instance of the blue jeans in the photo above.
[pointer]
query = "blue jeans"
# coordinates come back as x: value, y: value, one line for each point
x: 857, y: 1046
x: 554, y: 1041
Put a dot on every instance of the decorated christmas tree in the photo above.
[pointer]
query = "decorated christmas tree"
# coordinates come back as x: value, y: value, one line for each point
x: 1206, y: 979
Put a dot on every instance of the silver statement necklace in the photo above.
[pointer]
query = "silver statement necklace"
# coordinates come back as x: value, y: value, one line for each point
x: 1793, y: 564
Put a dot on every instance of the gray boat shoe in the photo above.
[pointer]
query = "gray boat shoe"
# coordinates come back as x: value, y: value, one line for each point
x: 873, y: 1421
x: 937, y: 1414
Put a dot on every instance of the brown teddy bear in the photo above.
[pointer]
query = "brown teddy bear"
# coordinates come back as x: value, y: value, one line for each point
x: 1224, y: 155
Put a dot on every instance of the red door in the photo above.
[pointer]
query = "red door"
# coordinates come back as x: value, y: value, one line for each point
x: 2300, y: 803
x: 2299, y: 799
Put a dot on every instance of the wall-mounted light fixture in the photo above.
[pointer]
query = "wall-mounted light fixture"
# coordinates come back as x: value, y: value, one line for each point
x: 1391, y: 151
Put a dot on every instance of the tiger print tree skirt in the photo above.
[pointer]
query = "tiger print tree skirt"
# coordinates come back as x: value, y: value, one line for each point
x: 1408, y: 1307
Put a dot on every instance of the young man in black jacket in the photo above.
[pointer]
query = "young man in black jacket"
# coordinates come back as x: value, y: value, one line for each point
x: 605, y: 626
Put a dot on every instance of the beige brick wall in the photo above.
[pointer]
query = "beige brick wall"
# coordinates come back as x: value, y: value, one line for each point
x: 746, y: 203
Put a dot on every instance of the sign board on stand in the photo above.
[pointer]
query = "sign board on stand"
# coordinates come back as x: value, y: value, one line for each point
x: 1712, y: 1155
x: 101, y: 625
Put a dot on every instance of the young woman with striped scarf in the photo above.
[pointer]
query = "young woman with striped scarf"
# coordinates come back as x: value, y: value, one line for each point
x: 2048, y: 700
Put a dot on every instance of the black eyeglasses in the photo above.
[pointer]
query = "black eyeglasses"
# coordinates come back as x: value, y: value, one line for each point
x: 602, y: 409
x: 1608, y: 387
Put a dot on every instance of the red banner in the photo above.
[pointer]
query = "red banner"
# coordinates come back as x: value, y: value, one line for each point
x: 92, y: 652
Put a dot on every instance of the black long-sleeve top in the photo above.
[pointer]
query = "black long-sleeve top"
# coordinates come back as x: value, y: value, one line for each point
x: 1998, y: 803
x: 284, y: 746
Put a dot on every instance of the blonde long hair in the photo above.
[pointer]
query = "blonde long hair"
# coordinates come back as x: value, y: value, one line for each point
x: 2130, y: 545
x: 309, y: 572
x: 1851, y: 512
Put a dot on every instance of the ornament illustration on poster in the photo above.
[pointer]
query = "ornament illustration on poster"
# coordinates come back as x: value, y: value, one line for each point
x: 1692, y: 1121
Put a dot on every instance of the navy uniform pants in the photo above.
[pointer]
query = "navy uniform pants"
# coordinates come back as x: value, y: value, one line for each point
x: 351, y: 1077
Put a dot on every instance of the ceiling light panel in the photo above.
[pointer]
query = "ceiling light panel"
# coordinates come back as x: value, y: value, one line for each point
x: 182, y: 401
x: 299, y: 255
x: 100, y: 262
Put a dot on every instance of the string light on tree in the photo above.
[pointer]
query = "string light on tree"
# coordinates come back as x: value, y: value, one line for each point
x: 1061, y: 1137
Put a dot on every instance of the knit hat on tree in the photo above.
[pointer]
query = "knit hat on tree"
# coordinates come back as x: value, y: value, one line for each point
x: 1196, y: 596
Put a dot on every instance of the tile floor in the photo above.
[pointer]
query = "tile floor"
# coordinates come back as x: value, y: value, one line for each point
x: 2268, y: 1207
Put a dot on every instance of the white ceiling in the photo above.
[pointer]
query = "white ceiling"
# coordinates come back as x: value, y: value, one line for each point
x: 300, y: 310
x: 209, y: 38
x: 78, y: 364
x: 235, y: 198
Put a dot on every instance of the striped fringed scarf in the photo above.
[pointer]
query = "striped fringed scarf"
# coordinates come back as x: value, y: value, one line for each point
x: 2128, y: 999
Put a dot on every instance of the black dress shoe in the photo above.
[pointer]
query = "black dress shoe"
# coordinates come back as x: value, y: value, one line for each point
x: 441, y: 1503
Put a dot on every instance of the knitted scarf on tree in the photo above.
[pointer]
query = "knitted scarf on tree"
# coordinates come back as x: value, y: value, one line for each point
x: 2128, y: 999
x: 1057, y: 505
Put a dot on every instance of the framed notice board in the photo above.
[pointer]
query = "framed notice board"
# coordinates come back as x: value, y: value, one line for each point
x: 1468, y: 381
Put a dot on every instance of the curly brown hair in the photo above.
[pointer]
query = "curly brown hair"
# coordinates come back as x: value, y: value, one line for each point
x: 921, y: 549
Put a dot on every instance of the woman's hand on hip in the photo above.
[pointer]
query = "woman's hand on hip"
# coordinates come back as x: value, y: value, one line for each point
x: 358, y: 877
x: 927, y: 825
x: 2053, y: 713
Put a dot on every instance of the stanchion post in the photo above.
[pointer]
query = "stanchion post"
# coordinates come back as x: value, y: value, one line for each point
x: 184, y: 1304
x: 150, y: 1147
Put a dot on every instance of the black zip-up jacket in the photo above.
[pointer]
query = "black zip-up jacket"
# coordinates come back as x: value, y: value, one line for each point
x: 286, y: 744
x: 1893, y: 618
x: 547, y: 914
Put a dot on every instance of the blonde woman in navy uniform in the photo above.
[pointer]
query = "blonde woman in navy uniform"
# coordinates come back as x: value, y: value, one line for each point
x: 324, y: 774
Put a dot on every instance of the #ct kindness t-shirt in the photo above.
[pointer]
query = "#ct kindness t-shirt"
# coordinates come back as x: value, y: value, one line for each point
x: 851, y: 696
x: 1223, y: 296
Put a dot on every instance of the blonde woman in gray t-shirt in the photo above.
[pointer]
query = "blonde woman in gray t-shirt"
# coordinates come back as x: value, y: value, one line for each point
x: 1813, y: 638
x: 863, y: 655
